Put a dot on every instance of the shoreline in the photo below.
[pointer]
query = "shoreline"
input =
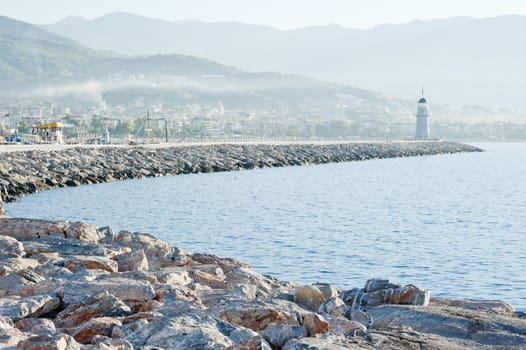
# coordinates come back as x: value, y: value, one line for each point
x: 44, y: 167
x: 77, y: 286
x: 72, y: 285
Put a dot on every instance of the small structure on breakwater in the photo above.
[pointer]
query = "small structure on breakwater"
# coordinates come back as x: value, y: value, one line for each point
x: 422, y: 119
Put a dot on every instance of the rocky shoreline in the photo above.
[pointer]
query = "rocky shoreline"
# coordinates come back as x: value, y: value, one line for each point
x: 67, y: 285
x: 74, y: 286
x: 27, y: 172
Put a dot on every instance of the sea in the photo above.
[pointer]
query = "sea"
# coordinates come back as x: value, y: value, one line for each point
x: 453, y: 224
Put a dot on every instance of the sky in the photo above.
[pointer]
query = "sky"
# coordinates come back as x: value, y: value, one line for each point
x: 283, y: 14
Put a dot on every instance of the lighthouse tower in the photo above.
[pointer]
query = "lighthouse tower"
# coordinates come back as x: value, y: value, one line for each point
x: 422, y: 119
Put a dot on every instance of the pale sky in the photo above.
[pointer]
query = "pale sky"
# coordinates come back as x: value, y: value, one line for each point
x: 284, y: 14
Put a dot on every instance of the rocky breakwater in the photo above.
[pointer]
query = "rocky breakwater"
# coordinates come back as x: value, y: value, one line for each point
x: 74, y: 286
x: 26, y: 172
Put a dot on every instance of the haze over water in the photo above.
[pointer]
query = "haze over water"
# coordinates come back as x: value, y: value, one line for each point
x: 453, y: 224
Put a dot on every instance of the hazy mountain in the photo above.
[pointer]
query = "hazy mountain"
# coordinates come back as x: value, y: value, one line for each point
x: 458, y: 60
x: 37, y: 64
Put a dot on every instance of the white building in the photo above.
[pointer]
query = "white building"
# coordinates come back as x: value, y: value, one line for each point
x: 422, y: 119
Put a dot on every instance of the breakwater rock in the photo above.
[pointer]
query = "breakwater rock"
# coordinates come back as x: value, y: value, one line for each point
x: 26, y: 172
x: 70, y: 285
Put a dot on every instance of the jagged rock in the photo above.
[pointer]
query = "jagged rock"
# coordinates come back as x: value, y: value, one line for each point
x: 150, y: 305
x: 17, y: 308
x: 159, y: 253
x: 181, y: 257
x: 174, y: 276
x: 85, y: 332
x: 10, y: 265
x: 330, y: 342
x: 257, y: 318
x: 315, y: 324
x: 10, y: 248
x: 309, y: 296
x: 241, y: 275
x: 483, y: 328
x: 226, y: 264
x: 279, y: 334
x: 189, y: 332
x: 135, y: 260
x: 376, y: 284
x: 497, y: 306
x: 34, y: 228
x: 57, y: 341
x: 36, y: 326
x: 345, y: 327
x: 9, y: 335
x: 124, y: 289
x: 15, y: 282
x: 208, y: 279
x: 256, y: 343
x: 100, y: 305
x: 74, y: 263
x: 334, y: 307
x: 407, y: 295
x: 100, y: 342
x: 329, y: 291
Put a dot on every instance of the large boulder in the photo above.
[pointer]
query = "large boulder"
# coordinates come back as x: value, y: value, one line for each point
x: 309, y: 296
x: 10, y: 248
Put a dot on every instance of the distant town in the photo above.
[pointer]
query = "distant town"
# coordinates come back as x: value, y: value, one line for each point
x: 140, y: 122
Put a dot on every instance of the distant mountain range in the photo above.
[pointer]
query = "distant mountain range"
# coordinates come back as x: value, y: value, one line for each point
x: 37, y: 64
x: 458, y: 60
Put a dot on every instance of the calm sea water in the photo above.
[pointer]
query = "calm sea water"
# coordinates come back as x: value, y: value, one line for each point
x: 454, y: 224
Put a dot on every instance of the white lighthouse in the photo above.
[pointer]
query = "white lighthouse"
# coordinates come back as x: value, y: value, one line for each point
x: 422, y: 119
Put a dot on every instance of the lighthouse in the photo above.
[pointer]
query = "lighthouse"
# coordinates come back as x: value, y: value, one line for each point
x: 422, y: 119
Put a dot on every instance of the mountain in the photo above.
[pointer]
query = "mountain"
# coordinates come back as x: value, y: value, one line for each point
x: 459, y: 60
x: 36, y: 64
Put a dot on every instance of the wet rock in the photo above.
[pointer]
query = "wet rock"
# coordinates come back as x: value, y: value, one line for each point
x: 279, y: 334
x: 309, y: 296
